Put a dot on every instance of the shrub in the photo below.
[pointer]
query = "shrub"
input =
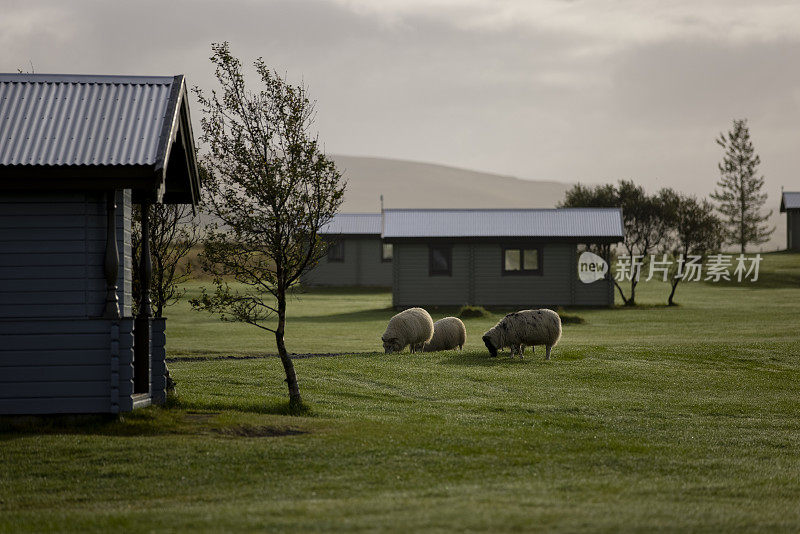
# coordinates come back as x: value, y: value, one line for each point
x: 569, y: 318
x: 469, y: 312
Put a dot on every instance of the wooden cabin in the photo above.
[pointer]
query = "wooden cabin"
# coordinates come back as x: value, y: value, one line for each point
x: 515, y: 258
x: 790, y: 205
x: 76, y: 152
x: 356, y: 257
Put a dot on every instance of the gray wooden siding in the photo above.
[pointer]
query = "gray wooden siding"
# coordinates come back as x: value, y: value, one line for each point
x: 477, y: 278
x: 158, y: 354
x: 51, y: 255
x: 599, y: 293
x: 64, y: 366
x: 56, y: 354
x: 413, y: 285
x: 793, y: 229
x: 362, y: 266
x: 552, y: 287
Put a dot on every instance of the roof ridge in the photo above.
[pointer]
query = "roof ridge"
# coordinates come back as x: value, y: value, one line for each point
x: 10, y: 77
x: 371, y: 214
x: 502, y: 209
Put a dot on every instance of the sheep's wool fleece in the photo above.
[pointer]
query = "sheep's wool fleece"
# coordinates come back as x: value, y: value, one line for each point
x: 527, y: 327
x: 448, y: 333
x: 411, y: 327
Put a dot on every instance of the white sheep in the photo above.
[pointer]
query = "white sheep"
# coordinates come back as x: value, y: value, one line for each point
x: 448, y: 333
x: 413, y: 327
x: 524, y: 328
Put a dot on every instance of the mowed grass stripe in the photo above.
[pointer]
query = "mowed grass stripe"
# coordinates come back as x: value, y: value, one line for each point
x: 678, y: 418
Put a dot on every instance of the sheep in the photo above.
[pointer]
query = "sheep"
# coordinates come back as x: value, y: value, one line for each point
x: 524, y: 328
x: 448, y: 333
x: 413, y: 327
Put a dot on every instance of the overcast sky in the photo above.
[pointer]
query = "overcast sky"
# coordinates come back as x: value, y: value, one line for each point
x: 553, y: 90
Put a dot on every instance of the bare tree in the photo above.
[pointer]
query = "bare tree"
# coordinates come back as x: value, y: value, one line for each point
x: 174, y: 231
x: 739, y: 195
x: 694, y: 231
x: 272, y: 188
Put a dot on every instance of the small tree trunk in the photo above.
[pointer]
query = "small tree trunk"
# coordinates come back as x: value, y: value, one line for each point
x: 632, y: 301
x: 672, y: 293
x: 295, y: 400
x: 621, y: 294
x: 742, y: 227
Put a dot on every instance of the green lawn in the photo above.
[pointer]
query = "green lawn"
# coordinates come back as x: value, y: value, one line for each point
x: 681, y: 418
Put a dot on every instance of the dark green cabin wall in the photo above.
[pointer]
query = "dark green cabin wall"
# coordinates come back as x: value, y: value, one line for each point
x: 793, y: 229
x: 558, y: 285
x: 362, y: 266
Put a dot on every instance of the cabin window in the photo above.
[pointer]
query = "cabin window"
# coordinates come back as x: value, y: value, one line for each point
x: 387, y: 252
x: 440, y: 260
x: 518, y: 260
x: 336, y: 251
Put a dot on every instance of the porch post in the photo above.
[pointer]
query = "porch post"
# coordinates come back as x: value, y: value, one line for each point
x: 141, y: 370
x: 111, y: 262
x: 146, y: 267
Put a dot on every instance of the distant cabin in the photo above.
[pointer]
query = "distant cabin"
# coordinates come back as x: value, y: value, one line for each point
x: 790, y: 204
x: 76, y: 153
x: 515, y: 258
x: 357, y: 256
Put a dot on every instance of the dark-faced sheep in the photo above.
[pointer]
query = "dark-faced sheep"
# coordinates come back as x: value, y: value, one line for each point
x: 413, y: 327
x: 448, y: 333
x: 524, y: 328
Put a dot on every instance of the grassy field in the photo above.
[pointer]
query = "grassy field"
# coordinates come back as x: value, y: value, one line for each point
x: 679, y: 418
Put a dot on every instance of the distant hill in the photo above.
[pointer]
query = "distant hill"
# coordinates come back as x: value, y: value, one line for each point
x: 410, y: 184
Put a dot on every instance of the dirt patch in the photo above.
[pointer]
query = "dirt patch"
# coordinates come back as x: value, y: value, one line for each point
x: 250, y: 431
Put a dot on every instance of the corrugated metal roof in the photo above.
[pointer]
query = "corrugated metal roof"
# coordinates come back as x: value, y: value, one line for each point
x: 56, y: 119
x: 565, y: 222
x: 353, y: 223
x: 790, y: 200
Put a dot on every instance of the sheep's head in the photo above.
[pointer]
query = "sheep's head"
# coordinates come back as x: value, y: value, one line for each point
x: 391, y: 344
x: 487, y: 340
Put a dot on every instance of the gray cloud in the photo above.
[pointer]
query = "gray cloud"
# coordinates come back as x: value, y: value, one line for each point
x: 567, y: 91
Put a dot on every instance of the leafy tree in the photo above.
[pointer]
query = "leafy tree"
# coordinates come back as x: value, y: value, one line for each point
x: 739, y: 195
x: 598, y: 196
x: 694, y: 230
x: 645, y: 228
x: 272, y: 189
x: 642, y: 214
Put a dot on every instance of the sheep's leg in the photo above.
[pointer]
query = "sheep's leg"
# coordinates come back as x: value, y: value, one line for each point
x: 533, y: 349
x: 548, y: 348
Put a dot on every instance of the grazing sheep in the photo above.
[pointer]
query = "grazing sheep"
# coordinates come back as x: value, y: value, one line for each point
x: 413, y: 326
x: 524, y: 328
x: 448, y: 333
